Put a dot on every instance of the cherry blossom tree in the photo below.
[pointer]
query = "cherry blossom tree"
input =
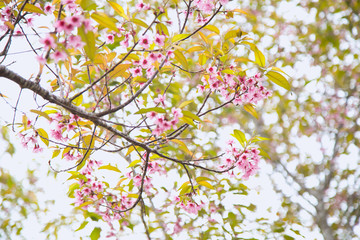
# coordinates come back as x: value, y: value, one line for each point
x: 142, y: 82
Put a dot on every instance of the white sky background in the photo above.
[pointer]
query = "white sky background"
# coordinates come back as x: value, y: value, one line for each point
x: 261, y: 195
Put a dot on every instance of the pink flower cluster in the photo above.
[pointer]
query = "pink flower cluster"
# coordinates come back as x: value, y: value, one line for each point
x: 27, y: 140
x: 242, y: 89
x: 161, y: 122
x: 62, y: 124
x: 247, y: 160
x: 92, y: 190
x: 190, y: 206
x: 208, y: 6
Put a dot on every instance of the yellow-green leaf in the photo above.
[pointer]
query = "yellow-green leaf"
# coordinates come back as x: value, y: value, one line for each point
x: 9, y: 25
x: 212, y: 28
x: 232, y: 34
x: 130, y: 149
x: 250, y: 109
x: 183, y: 104
x: 140, y: 23
x: 202, y: 59
x: 120, y: 71
x: 181, y: 58
x: 184, y: 185
x: 195, y: 49
x: 162, y: 29
x: 133, y: 195
x: 32, y: 8
x: 77, y: 101
x: 190, y: 115
x: 40, y: 113
x: 55, y: 153
x: 278, y: 79
x: 182, y: 146
x: 43, y: 136
x: 89, y: 39
x: 240, y: 136
x: 133, y: 163
x: 259, y: 56
x: 109, y: 167
x: 205, y: 184
x: 104, y: 20
x: 179, y: 37
x: 119, y: 10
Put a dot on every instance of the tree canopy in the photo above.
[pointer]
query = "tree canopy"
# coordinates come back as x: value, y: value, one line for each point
x: 134, y: 101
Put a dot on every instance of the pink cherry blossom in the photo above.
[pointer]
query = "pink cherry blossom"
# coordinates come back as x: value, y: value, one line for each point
x: 142, y: 6
x: 58, y: 56
x: 75, y: 42
x: 159, y: 40
x: 60, y: 25
x: 145, y: 41
x: 136, y: 71
x: 48, y: 42
x: 75, y: 20
x: 49, y: 8
x: 160, y: 99
x: 41, y: 60
x: 109, y: 38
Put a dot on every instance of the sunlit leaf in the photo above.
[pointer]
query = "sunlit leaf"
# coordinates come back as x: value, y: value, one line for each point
x: 278, y: 79
x: 95, y: 234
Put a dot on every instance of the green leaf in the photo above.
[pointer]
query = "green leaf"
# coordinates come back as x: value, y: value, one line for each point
x: 89, y: 39
x: 184, y: 185
x: 109, y: 167
x: 240, y: 136
x: 88, y: 5
x: 77, y: 101
x: 191, y: 115
x: 179, y: 37
x: 181, y: 58
x: 119, y: 10
x: 199, y: 179
x: 86, y: 143
x: 133, y: 163
x: 205, y: 184
x: 31, y: 8
x: 183, y: 104
x: 232, y: 34
x: 182, y: 146
x: 140, y: 23
x: 264, y: 154
x: 250, y: 109
x: 84, y: 223
x: 278, y: 79
x: 154, y: 109
x: 95, y: 234
x: 212, y: 28
x: 40, y: 113
x: 287, y: 237
x: 55, y: 153
x: 259, y: 56
x: 188, y: 121
x: 120, y: 71
x: 43, y: 136
x: 162, y: 29
x: 104, y: 20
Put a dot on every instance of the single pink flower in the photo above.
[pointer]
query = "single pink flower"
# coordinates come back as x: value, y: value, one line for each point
x: 109, y: 39
x: 48, y: 42
x: 159, y: 40
x: 49, y: 8
x: 145, y: 42
x: 58, y: 56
